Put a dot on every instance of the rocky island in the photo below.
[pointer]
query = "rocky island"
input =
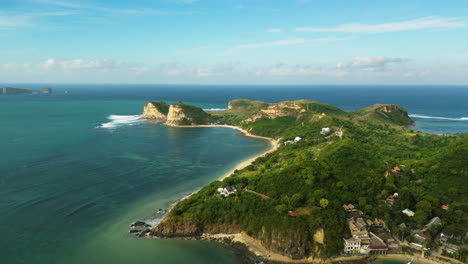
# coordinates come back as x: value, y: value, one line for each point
x: 341, y: 185
x: 10, y: 90
x: 178, y: 114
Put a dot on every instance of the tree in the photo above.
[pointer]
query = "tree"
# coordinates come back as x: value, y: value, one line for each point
x: 423, y: 210
x: 323, y: 203
x: 297, y: 200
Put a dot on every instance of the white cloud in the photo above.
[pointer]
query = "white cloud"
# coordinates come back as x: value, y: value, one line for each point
x: 285, y: 42
x: 12, y: 21
x: 415, y: 24
x: 366, y: 63
x: 354, y: 71
x: 80, y: 64
x: 60, y: 3
x: 128, y: 11
x: 274, y: 30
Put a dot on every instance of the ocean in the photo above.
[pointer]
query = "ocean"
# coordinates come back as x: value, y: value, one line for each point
x: 77, y: 168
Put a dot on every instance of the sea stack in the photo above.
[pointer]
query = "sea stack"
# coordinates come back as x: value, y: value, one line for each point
x: 178, y: 114
x: 45, y: 90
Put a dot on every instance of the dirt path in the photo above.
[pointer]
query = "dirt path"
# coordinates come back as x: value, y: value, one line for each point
x: 258, y: 194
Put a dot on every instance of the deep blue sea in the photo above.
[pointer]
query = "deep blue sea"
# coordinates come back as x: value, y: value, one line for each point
x: 77, y: 168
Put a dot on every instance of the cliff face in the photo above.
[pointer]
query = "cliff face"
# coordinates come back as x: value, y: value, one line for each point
x: 291, y: 243
x: 152, y: 111
x: 45, y: 91
x: 178, y: 114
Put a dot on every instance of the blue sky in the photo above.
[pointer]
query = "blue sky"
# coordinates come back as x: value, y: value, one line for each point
x: 234, y: 41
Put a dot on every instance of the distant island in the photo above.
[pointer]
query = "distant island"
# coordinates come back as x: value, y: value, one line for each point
x: 10, y: 90
x: 337, y: 185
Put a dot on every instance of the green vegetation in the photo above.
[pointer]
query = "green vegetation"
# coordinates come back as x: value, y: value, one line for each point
x: 195, y: 115
x: 307, y: 183
x: 161, y: 106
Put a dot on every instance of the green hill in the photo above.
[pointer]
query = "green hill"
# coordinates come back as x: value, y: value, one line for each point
x: 349, y: 163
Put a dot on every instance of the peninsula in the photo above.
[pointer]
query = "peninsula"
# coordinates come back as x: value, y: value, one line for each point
x: 10, y: 90
x: 347, y: 185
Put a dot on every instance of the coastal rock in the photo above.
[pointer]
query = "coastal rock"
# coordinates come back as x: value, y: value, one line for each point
x: 386, y: 113
x: 181, y: 114
x: 138, y: 223
x: 173, y: 228
x: 155, y: 110
x: 45, y: 91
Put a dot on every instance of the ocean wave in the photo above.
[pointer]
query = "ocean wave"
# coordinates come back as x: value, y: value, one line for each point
x: 121, y: 120
x: 440, y: 117
x: 214, y: 109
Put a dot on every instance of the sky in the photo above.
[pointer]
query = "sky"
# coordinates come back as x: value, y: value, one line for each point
x: 234, y: 41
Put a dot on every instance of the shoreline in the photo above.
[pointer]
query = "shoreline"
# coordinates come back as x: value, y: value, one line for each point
x: 255, y: 246
x: 274, y: 145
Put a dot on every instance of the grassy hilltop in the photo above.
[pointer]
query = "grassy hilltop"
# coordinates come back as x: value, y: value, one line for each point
x: 323, y: 171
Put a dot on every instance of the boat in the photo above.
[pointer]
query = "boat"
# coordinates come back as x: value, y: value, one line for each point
x: 411, y: 261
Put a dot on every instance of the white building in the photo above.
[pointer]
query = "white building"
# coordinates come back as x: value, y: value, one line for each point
x: 297, y: 139
x: 352, y: 245
x: 325, y: 130
x: 226, y: 190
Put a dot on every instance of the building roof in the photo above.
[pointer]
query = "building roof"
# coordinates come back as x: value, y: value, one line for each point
x: 445, y: 207
x: 376, y: 243
x: 352, y: 240
x: 434, y: 221
x: 293, y: 214
x: 408, y: 212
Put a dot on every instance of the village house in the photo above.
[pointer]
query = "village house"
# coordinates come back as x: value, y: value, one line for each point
x: 419, y: 239
x: 408, y: 212
x: 358, y: 229
x: 389, y: 200
x: 352, y: 245
x: 452, y: 248
x: 226, y: 190
x: 349, y: 208
x: 445, y: 207
x: 325, y: 130
x: 435, y: 221
x: 294, y: 141
x: 377, y: 245
x: 396, y: 170
x: 445, y: 236
x: 379, y: 223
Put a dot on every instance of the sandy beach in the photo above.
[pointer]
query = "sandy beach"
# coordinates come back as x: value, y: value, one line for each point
x: 259, y: 250
x: 274, y: 144
x: 256, y: 247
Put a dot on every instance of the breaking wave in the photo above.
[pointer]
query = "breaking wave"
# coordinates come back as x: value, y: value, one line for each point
x: 214, y: 109
x: 440, y: 117
x: 122, y: 120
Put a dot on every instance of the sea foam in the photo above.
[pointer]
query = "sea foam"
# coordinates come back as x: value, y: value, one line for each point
x: 214, y: 109
x: 121, y: 120
x: 440, y: 117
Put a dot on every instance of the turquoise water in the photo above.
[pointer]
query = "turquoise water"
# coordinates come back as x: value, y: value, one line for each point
x: 77, y: 169
x: 70, y: 188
